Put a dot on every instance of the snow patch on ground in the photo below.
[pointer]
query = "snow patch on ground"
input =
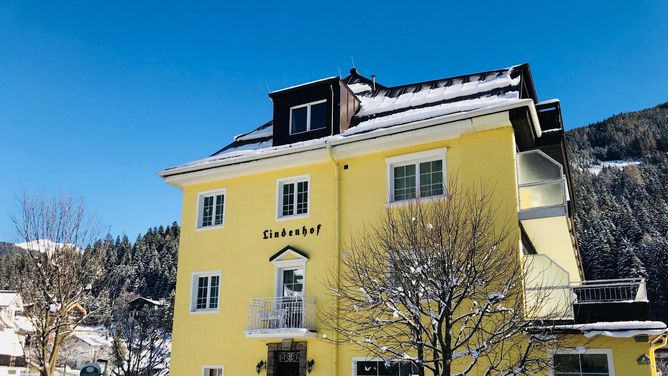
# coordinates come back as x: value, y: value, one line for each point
x: 618, y: 164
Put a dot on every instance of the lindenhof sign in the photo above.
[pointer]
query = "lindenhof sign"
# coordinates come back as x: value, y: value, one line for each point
x: 303, y: 231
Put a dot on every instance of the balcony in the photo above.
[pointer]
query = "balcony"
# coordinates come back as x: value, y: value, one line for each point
x: 551, y: 297
x: 543, y: 208
x: 281, y: 317
x: 610, y: 300
x: 542, y: 186
x: 610, y: 291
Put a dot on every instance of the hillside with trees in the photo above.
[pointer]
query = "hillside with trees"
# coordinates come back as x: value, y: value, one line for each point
x: 145, y: 267
x: 620, y: 178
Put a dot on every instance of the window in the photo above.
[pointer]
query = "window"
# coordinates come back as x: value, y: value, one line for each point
x: 292, y: 282
x: 205, y: 292
x: 290, y: 269
x: 211, y: 209
x: 213, y: 371
x: 590, y: 363
x: 383, y: 368
x: 418, y: 175
x: 308, y: 117
x: 293, y: 197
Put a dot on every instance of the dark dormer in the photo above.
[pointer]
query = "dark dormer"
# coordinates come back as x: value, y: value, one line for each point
x: 313, y: 110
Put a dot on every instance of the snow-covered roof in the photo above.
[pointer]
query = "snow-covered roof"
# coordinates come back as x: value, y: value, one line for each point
x: 622, y: 329
x: 387, y: 107
x: 10, y: 343
x: 304, y: 84
x: 93, y: 336
x: 7, y: 297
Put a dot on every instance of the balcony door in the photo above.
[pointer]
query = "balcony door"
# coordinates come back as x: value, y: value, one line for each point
x: 292, y: 297
x: 292, y: 282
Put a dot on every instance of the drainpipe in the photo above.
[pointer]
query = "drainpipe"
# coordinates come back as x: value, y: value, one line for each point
x: 335, y: 355
x: 656, y: 343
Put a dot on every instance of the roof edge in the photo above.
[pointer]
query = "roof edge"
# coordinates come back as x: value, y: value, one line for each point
x: 528, y: 103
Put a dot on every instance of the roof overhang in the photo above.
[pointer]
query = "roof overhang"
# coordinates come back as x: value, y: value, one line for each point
x: 438, y: 128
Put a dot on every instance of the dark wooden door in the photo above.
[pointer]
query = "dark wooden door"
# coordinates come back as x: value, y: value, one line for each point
x: 287, y: 363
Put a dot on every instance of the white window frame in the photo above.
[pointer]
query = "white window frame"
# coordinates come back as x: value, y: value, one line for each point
x: 193, y: 292
x: 356, y: 359
x: 279, y: 197
x: 281, y: 265
x: 208, y: 367
x: 200, y: 209
x: 415, y: 159
x: 608, y: 352
x: 308, y: 115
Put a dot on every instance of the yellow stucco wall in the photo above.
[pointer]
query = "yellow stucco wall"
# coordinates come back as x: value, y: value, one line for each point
x: 240, y: 253
x: 625, y: 352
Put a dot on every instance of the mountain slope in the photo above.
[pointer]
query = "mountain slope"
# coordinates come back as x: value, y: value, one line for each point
x: 620, y: 178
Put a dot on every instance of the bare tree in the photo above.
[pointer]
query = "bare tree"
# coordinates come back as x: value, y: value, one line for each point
x: 141, y: 345
x: 58, y: 270
x: 439, y: 285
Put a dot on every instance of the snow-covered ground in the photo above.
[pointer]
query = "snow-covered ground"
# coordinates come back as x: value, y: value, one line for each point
x: 619, y: 164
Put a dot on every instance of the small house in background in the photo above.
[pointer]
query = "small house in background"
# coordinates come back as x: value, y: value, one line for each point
x: 139, y: 303
x: 88, y: 344
x: 13, y: 328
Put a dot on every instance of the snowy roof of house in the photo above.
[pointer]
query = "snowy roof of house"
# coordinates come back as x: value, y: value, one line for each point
x: 385, y: 107
x: 10, y: 343
x: 7, y: 297
x: 93, y: 336
x: 621, y: 329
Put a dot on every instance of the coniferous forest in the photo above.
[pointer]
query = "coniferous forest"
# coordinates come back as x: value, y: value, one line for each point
x: 620, y: 180
x: 145, y: 267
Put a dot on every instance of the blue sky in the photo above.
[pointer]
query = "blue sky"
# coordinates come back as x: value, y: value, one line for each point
x: 96, y: 97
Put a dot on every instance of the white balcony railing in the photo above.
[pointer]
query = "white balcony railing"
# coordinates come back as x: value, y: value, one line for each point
x: 609, y: 291
x: 269, y: 316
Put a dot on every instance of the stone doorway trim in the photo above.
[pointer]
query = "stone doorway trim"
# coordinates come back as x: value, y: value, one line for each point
x: 285, y: 345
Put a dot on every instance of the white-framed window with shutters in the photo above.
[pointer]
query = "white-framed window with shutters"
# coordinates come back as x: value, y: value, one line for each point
x: 211, y: 209
x: 588, y: 362
x: 416, y: 176
x: 217, y: 370
x: 293, y: 197
x: 205, y: 292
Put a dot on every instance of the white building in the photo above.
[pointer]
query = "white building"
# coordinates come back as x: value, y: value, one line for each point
x: 13, y: 328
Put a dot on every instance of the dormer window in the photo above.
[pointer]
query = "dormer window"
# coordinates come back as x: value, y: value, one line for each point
x: 308, y: 117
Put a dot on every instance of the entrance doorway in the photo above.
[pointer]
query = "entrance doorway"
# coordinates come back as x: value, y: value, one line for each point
x: 286, y: 358
x: 287, y: 363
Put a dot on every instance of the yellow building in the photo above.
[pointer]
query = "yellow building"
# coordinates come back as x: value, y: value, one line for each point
x: 265, y: 218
